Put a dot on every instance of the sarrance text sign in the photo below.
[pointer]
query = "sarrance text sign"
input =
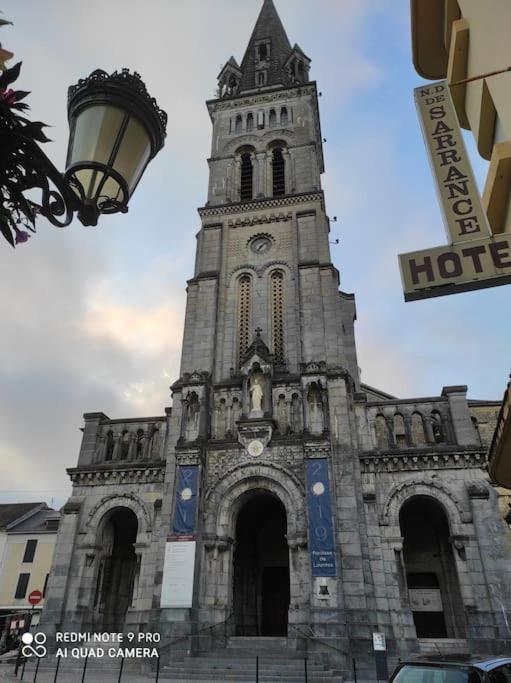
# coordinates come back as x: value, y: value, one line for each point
x: 475, y: 258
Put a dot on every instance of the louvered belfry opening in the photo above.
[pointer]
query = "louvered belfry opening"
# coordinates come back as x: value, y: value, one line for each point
x: 277, y: 311
x: 247, y: 172
x: 279, y: 176
x: 244, y: 315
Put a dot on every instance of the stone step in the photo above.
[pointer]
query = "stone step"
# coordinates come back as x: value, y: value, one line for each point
x: 249, y: 677
x: 257, y: 642
x: 241, y: 669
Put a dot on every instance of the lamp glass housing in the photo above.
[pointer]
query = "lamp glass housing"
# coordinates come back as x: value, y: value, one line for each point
x: 133, y: 153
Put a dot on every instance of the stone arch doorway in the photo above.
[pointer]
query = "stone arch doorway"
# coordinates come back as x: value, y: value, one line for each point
x: 118, y: 568
x: 431, y: 575
x: 261, y: 567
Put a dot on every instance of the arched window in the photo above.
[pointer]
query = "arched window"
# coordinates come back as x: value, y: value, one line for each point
x: 250, y: 122
x: 437, y: 427
x: 262, y: 52
x: 109, y: 449
x: 400, y: 431
x: 247, y: 174
x: 284, y: 117
x: 244, y: 314
x: 418, y: 434
x: 381, y: 432
x: 277, y: 315
x: 279, y: 173
x: 261, y: 78
x: 239, y: 124
x: 300, y: 71
x: 233, y: 83
x: 272, y: 118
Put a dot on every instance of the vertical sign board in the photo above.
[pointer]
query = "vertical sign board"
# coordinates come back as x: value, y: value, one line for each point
x: 380, y: 656
x: 179, y: 563
x: 185, y: 511
x: 474, y: 258
x: 178, y: 571
x: 321, y: 529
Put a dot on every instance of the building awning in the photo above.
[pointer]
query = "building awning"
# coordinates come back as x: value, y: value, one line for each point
x: 430, y: 56
x: 500, y: 449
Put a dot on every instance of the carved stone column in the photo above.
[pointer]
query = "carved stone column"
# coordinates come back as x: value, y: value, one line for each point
x: 287, y: 169
x: 268, y: 173
x: 260, y: 174
x: 237, y: 180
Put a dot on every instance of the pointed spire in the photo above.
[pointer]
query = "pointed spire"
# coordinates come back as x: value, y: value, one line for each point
x: 269, y: 60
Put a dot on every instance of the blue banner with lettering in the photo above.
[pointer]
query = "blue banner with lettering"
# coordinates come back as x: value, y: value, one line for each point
x: 321, y: 529
x: 185, y: 511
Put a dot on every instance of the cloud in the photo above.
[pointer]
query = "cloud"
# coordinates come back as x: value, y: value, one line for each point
x: 92, y: 317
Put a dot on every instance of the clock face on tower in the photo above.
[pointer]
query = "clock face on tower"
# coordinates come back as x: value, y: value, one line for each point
x: 260, y: 245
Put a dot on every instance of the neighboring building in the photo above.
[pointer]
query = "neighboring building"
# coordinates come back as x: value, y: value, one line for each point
x: 321, y: 509
x: 28, y: 532
x: 468, y: 40
x: 467, y: 43
x: 500, y: 451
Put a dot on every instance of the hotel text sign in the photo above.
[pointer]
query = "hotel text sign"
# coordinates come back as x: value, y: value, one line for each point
x: 474, y: 258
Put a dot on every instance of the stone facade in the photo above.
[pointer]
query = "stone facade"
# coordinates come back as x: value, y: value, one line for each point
x: 269, y: 358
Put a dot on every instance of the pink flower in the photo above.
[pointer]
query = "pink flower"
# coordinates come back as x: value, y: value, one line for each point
x: 8, y: 96
x: 21, y: 236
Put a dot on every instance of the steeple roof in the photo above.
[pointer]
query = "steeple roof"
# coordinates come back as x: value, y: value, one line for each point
x: 268, y: 28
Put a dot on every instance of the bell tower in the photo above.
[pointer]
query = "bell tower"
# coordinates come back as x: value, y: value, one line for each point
x: 269, y: 365
x: 263, y: 258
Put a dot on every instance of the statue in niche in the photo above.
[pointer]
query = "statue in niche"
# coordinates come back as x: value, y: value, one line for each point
x: 296, y: 414
x: 256, y: 393
x: 281, y: 415
x: 139, y: 445
x: 192, y: 417
x: 316, y: 418
x: 124, y: 445
x: 235, y: 414
x: 154, y: 446
x: 221, y: 419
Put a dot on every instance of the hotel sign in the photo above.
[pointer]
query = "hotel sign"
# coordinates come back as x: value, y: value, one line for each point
x: 474, y: 258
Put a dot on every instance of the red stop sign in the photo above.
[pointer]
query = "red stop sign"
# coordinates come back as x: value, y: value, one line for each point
x: 35, y: 597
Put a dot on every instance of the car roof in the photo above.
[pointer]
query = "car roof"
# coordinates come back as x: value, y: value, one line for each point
x: 483, y: 662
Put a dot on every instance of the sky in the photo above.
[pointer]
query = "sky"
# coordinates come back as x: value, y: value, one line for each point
x: 92, y: 318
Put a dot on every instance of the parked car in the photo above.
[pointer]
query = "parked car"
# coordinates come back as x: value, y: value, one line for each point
x: 454, y: 669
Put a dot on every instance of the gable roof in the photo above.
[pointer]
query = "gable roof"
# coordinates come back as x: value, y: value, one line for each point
x: 11, y: 513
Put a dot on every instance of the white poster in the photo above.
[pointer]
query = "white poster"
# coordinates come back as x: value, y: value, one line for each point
x: 178, y: 572
x: 425, y: 599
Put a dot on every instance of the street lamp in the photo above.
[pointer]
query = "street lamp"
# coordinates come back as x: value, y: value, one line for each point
x: 115, y: 129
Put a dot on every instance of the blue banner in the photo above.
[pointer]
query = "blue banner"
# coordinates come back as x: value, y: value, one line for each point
x: 321, y: 530
x: 185, y: 511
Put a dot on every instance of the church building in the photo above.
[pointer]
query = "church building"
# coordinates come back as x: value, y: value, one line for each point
x: 280, y: 497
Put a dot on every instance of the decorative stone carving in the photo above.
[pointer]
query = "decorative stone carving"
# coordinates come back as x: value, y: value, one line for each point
x: 412, y: 461
x: 120, y: 475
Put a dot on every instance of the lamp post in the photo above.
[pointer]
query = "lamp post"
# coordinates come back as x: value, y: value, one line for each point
x: 115, y: 127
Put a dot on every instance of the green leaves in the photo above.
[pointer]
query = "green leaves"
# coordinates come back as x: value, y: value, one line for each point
x: 18, y: 168
x: 10, y: 75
